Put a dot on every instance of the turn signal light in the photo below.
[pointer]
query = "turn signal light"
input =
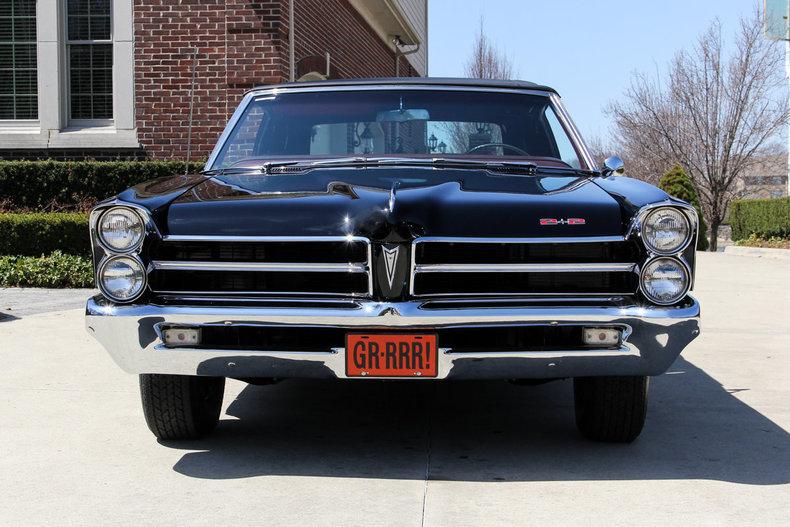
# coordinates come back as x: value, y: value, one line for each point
x: 601, y: 336
x: 181, y: 337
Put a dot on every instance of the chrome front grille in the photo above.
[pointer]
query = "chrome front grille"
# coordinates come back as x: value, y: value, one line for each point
x: 254, y: 265
x: 523, y: 266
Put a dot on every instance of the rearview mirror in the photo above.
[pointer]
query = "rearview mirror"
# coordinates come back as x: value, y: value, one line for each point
x: 402, y: 116
x: 613, y: 166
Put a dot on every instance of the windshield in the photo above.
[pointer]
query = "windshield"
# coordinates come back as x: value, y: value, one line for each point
x: 414, y: 123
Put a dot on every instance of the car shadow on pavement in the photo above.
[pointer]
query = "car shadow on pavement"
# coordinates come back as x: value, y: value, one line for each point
x: 485, y: 431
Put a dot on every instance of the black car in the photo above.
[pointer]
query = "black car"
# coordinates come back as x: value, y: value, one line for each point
x: 426, y: 229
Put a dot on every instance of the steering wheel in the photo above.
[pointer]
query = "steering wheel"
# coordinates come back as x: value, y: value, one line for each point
x: 503, y: 145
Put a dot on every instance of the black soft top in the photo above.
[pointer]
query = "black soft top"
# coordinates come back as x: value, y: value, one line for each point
x: 418, y: 81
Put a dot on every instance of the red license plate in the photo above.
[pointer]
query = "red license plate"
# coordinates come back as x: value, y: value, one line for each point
x: 391, y: 355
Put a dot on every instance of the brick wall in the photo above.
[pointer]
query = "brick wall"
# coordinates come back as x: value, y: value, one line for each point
x: 241, y: 44
x: 355, y: 49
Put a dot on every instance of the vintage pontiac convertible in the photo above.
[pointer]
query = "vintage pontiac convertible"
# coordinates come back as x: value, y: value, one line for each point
x: 396, y: 228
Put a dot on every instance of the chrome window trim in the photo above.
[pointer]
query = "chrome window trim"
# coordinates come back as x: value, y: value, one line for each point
x: 555, y: 100
x: 234, y: 119
x: 573, y: 131
x: 265, y: 91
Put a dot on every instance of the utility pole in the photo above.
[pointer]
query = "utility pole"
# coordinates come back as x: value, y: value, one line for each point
x: 291, y: 39
x: 776, y: 15
x: 787, y: 72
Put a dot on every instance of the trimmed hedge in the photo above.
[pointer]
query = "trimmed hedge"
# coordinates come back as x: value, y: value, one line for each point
x: 55, y: 270
x: 766, y: 218
x: 34, y: 234
x: 75, y: 185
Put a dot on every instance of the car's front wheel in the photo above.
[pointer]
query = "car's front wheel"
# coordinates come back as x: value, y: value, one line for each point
x: 181, y: 406
x: 610, y: 409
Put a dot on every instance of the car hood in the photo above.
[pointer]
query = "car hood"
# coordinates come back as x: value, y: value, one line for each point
x: 393, y: 204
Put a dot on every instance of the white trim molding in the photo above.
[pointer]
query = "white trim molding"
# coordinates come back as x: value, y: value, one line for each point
x: 53, y: 129
x: 407, y: 19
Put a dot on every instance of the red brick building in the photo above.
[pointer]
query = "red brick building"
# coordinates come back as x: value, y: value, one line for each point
x: 112, y: 78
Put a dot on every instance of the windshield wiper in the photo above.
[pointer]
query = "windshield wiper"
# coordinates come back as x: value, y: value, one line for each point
x: 525, y: 167
x: 437, y: 162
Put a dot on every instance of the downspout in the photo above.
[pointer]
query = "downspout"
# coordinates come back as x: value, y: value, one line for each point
x: 398, y: 53
x: 291, y: 52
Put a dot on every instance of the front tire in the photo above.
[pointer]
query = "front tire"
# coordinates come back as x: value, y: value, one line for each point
x: 181, y: 406
x: 610, y: 409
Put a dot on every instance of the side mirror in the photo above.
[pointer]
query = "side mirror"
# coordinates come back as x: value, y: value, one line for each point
x: 613, y: 166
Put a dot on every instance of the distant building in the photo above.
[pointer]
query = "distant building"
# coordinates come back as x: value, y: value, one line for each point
x: 111, y: 78
x: 766, y: 179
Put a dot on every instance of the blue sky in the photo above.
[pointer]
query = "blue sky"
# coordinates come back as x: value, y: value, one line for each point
x: 587, y: 50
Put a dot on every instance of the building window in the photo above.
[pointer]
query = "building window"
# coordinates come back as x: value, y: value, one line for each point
x: 89, y: 52
x: 18, y: 79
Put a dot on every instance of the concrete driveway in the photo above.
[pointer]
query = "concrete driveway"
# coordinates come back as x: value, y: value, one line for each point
x: 74, y: 448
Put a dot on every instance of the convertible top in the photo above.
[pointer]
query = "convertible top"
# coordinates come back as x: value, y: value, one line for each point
x: 414, y: 81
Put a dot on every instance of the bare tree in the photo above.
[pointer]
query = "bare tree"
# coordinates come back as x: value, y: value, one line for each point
x: 715, y: 114
x: 599, y: 149
x: 486, y: 61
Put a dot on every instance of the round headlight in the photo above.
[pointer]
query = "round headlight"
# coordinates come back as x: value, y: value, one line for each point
x: 121, y: 278
x: 121, y: 229
x: 666, y: 230
x: 664, y: 280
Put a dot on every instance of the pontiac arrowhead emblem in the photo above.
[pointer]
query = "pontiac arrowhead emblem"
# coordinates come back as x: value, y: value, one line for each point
x: 390, y: 260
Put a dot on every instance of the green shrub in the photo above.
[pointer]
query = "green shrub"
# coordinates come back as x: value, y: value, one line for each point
x: 75, y: 185
x: 55, y: 270
x: 766, y: 218
x: 34, y: 234
x: 677, y: 184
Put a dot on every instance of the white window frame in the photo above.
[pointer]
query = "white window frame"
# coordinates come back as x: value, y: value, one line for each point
x: 53, y: 129
x: 22, y: 125
x: 83, y: 123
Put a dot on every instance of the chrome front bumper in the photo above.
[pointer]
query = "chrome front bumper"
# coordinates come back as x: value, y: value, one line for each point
x: 653, y: 338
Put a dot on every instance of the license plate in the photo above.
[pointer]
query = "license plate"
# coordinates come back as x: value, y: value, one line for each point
x: 391, y: 355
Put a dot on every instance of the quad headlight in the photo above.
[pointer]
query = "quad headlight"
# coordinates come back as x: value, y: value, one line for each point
x: 121, y: 278
x: 664, y: 281
x: 121, y: 229
x: 666, y: 230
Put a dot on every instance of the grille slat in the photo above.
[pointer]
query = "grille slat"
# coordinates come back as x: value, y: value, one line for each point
x: 337, y: 266
x: 479, y: 267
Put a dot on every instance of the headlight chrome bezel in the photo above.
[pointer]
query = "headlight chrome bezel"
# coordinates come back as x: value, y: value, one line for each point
x: 105, y: 244
x: 111, y: 258
x: 681, y: 264
x: 103, y: 253
x: 679, y: 254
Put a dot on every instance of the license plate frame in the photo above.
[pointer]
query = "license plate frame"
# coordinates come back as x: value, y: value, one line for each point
x: 419, y: 361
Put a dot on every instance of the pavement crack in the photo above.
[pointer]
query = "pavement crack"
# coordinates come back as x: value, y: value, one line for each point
x: 429, y: 441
